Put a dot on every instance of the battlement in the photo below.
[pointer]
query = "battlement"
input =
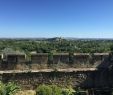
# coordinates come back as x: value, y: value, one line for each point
x: 44, y: 61
x: 78, y: 69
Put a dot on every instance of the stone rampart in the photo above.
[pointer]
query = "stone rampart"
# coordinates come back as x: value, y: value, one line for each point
x: 98, y: 75
x: 60, y: 60
x: 86, y: 79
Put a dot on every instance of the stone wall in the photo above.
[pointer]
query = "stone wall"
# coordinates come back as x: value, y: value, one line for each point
x: 21, y: 58
x: 83, y: 79
x: 0, y: 60
x: 11, y: 61
x: 32, y: 80
x: 98, y: 58
x: 100, y: 78
x: 60, y: 60
x: 81, y: 59
x: 40, y: 58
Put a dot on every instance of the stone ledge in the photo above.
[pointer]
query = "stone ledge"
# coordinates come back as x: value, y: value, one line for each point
x: 49, y: 70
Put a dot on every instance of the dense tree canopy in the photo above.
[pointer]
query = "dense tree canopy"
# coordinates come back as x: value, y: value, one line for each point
x: 57, y: 45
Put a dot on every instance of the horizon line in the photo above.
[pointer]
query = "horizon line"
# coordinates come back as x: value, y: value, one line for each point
x: 54, y: 37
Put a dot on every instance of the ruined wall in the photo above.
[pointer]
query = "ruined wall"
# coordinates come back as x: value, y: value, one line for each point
x: 87, y: 79
x: 31, y: 80
x: 81, y: 60
x: 40, y: 58
x: 12, y: 61
x: 38, y: 61
x: 84, y: 79
x: 21, y: 59
x: 0, y: 60
x: 60, y: 60
x: 98, y: 58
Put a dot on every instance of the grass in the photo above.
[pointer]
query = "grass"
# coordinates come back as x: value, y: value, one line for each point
x: 26, y: 92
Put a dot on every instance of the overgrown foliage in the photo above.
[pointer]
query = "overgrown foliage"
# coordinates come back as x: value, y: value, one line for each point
x: 8, y: 89
x: 56, y: 90
x: 68, y: 91
x: 44, y: 90
x: 48, y: 90
x: 2, y: 88
x: 13, y: 89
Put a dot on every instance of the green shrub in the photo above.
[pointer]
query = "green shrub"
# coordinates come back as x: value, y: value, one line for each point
x: 44, y: 90
x: 2, y: 88
x: 68, y: 91
x: 56, y: 90
x: 48, y: 90
x: 8, y: 89
x: 12, y: 88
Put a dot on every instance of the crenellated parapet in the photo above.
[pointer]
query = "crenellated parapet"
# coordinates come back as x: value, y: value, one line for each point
x: 59, y: 60
x: 85, y: 70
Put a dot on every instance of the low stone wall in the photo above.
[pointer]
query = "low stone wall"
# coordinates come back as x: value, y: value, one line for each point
x: 31, y: 80
x: 85, y: 79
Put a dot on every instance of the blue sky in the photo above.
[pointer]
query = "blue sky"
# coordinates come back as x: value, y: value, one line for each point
x: 56, y: 18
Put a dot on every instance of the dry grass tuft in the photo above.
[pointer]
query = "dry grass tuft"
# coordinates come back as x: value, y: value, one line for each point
x: 26, y: 92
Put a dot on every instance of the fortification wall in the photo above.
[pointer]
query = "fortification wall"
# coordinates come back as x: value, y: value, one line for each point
x: 84, y: 79
x: 102, y: 77
x: 60, y: 60
x: 0, y: 58
x: 32, y: 80
x: 39, y: 58
x: 81, y: 60
x: 98, y: 58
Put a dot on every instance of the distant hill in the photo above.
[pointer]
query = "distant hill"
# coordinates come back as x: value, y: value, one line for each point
x: 56, y: 39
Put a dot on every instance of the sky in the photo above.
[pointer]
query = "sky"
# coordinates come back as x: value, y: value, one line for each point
x: 56, y: 18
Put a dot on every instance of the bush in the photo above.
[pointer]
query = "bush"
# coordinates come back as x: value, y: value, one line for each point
x: 2, y: 88
x: 68, y: 91
x: 12, y: 88
x: 8, y: 89
x: 48, y: 90
x: 56, y: 90
x: 44, y: 90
